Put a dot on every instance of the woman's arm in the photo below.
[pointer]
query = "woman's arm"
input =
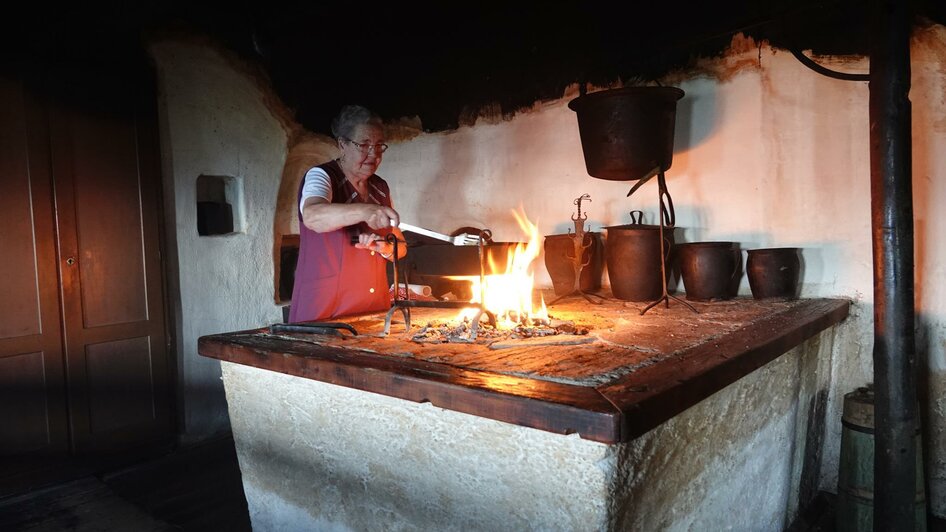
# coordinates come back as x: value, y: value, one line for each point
x: 321, y: 216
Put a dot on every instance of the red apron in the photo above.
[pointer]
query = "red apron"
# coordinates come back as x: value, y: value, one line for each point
x: 333, y: 277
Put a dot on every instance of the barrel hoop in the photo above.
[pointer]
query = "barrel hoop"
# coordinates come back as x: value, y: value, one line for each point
x: 862, y: 429
x: 862, y: 495
x: 856, y: 428
x: 867, y: 495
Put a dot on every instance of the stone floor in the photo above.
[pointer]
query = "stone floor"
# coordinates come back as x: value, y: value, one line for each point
x: 198, y: 488
x: 820, y: 517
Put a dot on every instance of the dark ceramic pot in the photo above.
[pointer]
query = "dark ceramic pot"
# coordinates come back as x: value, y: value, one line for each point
x: 773, y: 272
x: 708, y: 269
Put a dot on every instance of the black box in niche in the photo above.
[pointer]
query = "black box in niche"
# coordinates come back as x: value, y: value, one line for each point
x: 214, y: 218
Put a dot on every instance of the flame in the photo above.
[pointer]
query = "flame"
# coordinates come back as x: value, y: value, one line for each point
x: 509, y: 295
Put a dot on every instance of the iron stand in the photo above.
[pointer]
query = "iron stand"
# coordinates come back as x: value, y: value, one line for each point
x: 405, y: 305
x: 667, y: 220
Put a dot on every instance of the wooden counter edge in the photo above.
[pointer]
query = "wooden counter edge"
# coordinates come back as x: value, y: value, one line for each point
x: 652, y: 395
x: 540, y: 404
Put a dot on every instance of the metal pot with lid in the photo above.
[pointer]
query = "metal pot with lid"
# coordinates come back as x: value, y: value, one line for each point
x: 633, y: 258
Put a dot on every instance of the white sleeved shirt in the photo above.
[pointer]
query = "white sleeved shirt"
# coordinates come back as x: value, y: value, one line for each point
x: 317, y: 184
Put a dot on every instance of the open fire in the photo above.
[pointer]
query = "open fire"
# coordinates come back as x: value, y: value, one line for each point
x: 509, y: 295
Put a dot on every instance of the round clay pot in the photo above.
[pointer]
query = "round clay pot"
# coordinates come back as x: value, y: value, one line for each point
x: 708, y: 269
x: 773, y: 272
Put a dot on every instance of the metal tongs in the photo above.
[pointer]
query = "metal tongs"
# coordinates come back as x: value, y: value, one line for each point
x: 313, y: 327
x: 463, y: 239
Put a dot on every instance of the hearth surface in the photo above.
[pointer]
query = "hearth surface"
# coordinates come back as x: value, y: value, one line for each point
x: 626, y: 375
x: 613, y: 339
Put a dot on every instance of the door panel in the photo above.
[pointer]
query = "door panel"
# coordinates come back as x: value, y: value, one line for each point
x: 24, y: 404
x: 110, y: 247
x: 121, y: 368
x: 32, y: 383
x: 107, y: 200
x: 19, y: 289
x: 83, y: 346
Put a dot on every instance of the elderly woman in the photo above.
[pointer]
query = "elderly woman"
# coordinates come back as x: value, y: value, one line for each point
x: 341, y: 202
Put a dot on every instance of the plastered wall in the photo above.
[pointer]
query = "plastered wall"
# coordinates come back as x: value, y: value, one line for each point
x: 315, y: 456
x: 214, y: 120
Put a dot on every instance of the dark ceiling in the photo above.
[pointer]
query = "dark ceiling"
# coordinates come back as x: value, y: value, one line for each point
x: 439, y: 61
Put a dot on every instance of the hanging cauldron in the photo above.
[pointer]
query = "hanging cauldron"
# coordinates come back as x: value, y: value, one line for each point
x: 627, y: 134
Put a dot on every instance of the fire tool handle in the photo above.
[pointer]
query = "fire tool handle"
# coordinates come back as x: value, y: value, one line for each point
x: 317, y: 327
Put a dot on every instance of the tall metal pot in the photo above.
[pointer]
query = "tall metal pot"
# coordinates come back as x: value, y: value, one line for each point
x: 633, y: 257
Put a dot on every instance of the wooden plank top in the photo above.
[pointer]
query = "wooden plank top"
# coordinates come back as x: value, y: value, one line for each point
x: 616, y: 376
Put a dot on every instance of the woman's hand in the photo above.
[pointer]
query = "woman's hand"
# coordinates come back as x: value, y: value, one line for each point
x: 379, y: 244
x: 376, y: 243
x: 380, y: 217
x: 373, y: 242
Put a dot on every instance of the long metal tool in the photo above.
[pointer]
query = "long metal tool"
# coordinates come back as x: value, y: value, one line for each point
x: 464, y: 239
x: 314, y: 327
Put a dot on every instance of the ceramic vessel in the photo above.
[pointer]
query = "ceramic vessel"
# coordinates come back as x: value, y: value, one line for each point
x: 773, y: 272
x: 708, y: 269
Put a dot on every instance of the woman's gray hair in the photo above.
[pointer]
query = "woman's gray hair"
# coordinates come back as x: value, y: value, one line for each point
x: 352, y: 116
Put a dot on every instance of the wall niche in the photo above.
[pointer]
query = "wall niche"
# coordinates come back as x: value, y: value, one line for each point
x: 219, y: 205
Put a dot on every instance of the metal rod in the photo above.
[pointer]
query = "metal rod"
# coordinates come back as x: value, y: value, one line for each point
x: 892, y: 236
x: 825, y: 71
x: 397, y: 304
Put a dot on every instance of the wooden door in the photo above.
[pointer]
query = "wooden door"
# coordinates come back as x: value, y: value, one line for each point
x: 83, y: 346
x: 105, y: 169
x: 32, y: 383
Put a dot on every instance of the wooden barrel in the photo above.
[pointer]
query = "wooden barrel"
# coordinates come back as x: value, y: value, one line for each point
x: 855, y: 504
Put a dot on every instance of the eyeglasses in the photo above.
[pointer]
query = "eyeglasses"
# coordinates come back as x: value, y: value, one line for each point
x: 366, y: 148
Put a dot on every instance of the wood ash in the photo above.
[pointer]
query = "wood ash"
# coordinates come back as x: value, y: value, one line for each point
x: 456, y: 331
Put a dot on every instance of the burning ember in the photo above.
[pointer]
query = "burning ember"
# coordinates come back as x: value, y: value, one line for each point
x: 509, y: 295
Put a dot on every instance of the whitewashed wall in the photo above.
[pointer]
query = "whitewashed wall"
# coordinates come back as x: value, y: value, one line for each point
x: 214, y: 121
